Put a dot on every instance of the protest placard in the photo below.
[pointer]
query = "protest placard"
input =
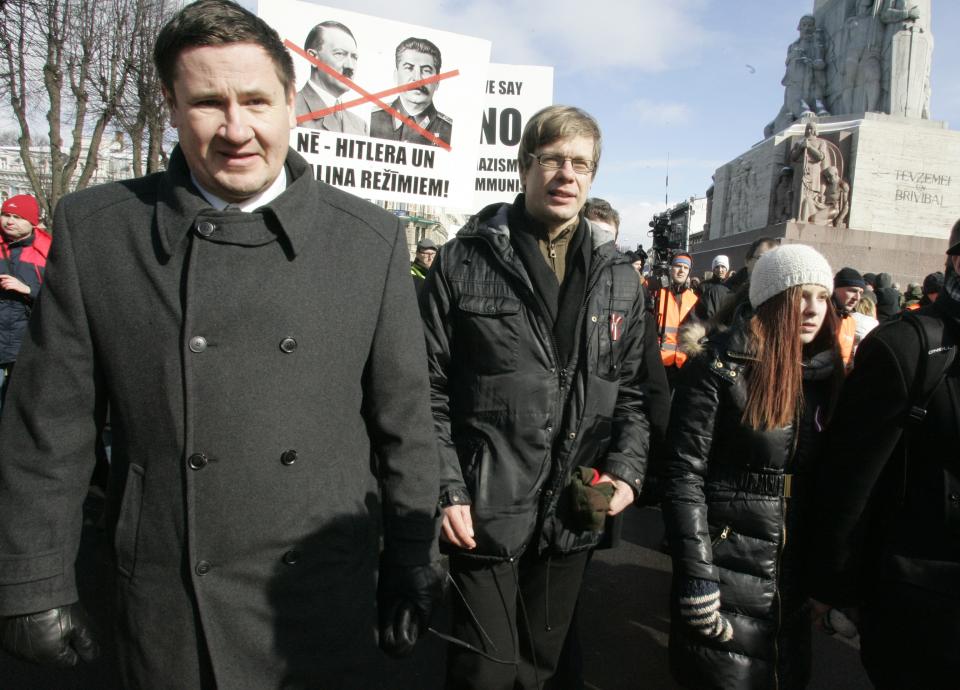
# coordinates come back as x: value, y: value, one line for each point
x: 512, y: 94
x: 386, y: 110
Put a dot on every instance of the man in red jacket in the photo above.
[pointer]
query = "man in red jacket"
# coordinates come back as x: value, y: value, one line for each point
x: 23, y: 253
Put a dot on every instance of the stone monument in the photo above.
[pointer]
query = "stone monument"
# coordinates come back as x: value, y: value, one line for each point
x: 852, y: 162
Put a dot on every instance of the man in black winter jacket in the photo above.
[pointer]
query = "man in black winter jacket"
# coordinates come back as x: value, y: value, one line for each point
x: 535, y: 329
x: 888, y: 297
x: 887, y: 537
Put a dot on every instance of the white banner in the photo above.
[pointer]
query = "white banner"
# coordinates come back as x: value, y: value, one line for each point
x: 385, y: 110
x: 512, y: 94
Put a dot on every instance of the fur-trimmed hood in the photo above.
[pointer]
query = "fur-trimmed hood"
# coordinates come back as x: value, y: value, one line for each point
x: 692, y: 338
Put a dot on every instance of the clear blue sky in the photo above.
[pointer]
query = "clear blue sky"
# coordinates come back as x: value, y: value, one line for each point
x: 695, y: 79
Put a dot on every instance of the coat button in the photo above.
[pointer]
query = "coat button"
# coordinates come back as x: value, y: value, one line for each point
x: 203, y: 567
x: 205, y: 228
x: 955, y: 497
x: 197, y: 461
x: 291, y: 557
x: 288, y: 345
x: 572, y: 435
x: 198, y: 343
x: 288, y: 457
x: 594, y: 318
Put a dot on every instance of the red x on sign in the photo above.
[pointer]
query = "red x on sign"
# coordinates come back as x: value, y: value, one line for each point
x: 368, y: 97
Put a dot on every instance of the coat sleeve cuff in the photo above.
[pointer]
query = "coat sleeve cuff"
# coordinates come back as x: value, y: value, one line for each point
x: 411, y: 540
x: 38, y: 582
x: 624, y: 472
x: 454, y: 497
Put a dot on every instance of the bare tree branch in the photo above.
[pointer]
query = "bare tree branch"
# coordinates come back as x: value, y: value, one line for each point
x: 81, y: 63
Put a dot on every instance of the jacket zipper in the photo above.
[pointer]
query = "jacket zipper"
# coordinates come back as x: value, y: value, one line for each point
x: 593, y: 278
x: 776, y: 639
x: 724, y: 533
x: 780, y: 548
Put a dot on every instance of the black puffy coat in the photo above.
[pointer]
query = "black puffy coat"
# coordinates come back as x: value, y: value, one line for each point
x: 512, y: 421
x: 730, y: 519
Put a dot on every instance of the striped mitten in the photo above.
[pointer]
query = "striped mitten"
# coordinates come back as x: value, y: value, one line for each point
x: 700, y: 608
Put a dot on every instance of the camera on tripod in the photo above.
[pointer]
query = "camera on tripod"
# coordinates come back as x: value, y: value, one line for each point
x: 662, y: 247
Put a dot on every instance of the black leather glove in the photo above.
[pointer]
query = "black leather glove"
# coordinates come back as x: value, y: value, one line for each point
x: 406, y: 595
x: 57, y: 637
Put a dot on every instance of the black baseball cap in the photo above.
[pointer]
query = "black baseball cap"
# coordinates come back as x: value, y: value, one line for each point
x: 426, y: 243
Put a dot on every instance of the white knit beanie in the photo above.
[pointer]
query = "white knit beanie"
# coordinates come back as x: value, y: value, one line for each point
x: 720, y: 260
x: 786, y: 266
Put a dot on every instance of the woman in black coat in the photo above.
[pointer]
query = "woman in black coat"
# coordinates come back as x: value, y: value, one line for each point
x: 744, y: 431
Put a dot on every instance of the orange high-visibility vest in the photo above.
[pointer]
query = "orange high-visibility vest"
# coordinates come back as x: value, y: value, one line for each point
x: 846, y: 335
x: 670, y: 315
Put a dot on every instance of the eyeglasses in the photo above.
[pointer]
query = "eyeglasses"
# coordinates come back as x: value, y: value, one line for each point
x: 553, y: 161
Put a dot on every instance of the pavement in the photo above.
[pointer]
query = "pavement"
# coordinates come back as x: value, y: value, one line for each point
x: 623, y: 605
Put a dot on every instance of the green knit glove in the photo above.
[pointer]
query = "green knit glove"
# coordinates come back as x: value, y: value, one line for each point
x: 590, y: 501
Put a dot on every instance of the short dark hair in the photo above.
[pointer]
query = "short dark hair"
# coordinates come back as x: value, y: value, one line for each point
x: 421, y: 45
x: 600, y: 209
x: 217, y: 23
x: 314, y: 39
x: 759, y: 242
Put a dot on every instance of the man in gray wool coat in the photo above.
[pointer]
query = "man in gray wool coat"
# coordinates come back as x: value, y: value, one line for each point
x: 269, y: 402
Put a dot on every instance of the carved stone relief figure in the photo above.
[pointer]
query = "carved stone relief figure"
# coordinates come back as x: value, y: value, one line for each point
x: 740, y: 184
x: 812, y: 156
x: 862, y: 61
x: 832, y: 205
x: 908, y: 46
x: 843, y: 205
x: 804, y: 81
x: 783, y: 196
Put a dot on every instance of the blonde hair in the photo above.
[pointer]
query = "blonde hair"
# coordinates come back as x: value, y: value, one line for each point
x: 553, y: 123
x: 866, y: 306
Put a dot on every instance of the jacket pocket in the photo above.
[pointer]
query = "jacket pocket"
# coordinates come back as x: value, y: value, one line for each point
x: 489, y: 340
x: 128, y: 523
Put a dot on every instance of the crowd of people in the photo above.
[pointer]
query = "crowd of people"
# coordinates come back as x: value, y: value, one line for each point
x: 294, y: 447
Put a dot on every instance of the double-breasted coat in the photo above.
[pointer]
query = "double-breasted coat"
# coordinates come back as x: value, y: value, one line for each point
x: 269, y: 405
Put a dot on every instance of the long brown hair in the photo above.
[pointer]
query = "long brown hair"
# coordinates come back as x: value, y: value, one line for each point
x: 775, y: 383
x: 776, y: 378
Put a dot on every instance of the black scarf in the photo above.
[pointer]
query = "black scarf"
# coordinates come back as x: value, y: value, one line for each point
x: 561, y: 303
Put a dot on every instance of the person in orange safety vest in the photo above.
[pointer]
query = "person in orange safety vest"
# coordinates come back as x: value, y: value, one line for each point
x: 674, y: 305
x: 848, y: 286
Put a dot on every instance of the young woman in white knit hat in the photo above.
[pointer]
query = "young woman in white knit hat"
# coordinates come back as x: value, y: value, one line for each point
x: 745, y: 428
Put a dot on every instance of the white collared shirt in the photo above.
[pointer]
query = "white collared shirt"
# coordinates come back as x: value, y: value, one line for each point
x: 276, y: 188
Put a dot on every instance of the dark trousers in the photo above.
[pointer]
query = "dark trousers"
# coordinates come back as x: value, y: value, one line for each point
x: 523, y: 610
x: 910, y: 638
x: 5, y: 371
